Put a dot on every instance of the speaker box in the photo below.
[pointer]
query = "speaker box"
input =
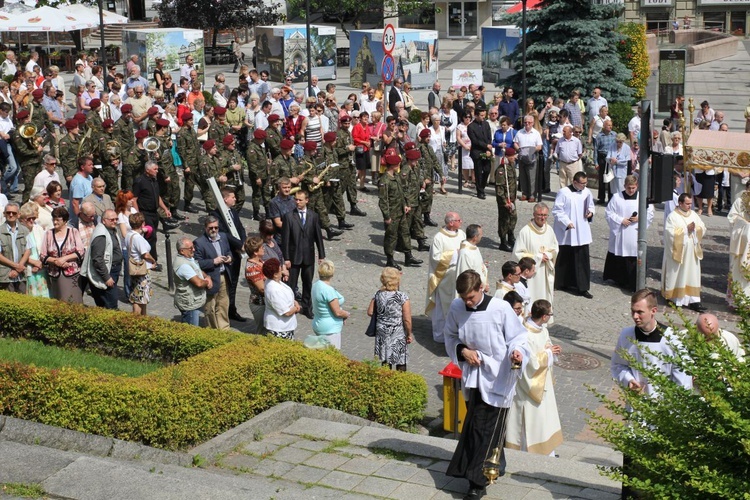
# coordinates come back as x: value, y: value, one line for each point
x: 662, y: 168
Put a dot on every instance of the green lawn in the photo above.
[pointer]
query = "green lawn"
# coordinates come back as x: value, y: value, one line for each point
x: 31, y: 352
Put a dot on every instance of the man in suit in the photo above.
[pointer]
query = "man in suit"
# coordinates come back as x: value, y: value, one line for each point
x: 481, y: 148
x: 395, y: 95
x: 99, y: 198
x: 300, y: 234
x: 459, y: 104
x: 235, y: 244
x: 214, y: 256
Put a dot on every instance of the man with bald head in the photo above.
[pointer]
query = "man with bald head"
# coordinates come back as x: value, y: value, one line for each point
x: 708, y: 325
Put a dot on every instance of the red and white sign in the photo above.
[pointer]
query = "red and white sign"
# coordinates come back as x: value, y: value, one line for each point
x: 389, y: 38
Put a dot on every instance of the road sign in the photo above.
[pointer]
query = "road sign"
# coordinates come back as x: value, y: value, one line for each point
x: 388, y: 69
x: 389, y: 38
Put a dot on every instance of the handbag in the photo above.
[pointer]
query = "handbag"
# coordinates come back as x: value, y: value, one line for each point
x: 135, y: 267
x: 608, y: 175
x: 370, y: 332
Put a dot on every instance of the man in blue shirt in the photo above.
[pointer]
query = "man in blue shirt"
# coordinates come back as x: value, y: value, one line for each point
x: 80, y: 187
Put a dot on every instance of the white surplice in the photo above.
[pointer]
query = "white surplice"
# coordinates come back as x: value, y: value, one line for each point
x: 469, y: 257
x: 739, y: 245
x: 441, y: 280
x: 536, y: 242
x: 571, y: 206
x: 681, y: 265
x: 623, y: 241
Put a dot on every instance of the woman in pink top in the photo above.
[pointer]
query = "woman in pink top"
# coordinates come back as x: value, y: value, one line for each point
x: 361, y: 138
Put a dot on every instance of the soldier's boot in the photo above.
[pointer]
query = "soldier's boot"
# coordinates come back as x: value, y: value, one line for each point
x: 428, y: 221
x: 356, y: 211
x: 504, y: 245
x: 332, y: 231
x: 389, y: 262
x: 187, y: 207
x: 345, y: 225
x: 410, y: 261
x: 423, y: 246
x: 511, y: 240
x: 375, y: 176
x: 256, y: 215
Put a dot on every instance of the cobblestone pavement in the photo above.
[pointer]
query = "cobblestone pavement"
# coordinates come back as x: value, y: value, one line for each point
x: 586, y: 328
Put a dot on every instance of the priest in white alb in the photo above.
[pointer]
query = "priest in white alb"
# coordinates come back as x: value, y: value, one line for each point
x: 739, y: 245
x: 623, y: 219
x: 469, y: 256
x: 441, y: 281
x: 533, y: 420
x: 681, y: 265
x: 537, y: 240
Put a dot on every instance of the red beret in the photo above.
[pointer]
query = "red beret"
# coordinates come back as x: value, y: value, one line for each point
x: 38, y: 93
x: 219, y: 111
x: 22, y: 114
x: 273, y: 118
x: 80, y: 117
x: 392, y: 159
x: 108, y: 123
x: 259, y: 134
x: 410, y: 145
x: 126, y: 108
x: 413, y: 154
x: 310, y: 146
x: 390, y: 151
x: 95, y: 103
x: 186, y: 115
x: 162, y: 122
x: 141, y: 134
x: 424, y: 133
x: 286, y: 144
x: 510, y: 152
x: 152, y: 111
x: 71, y: 124
x: 209, y: 144
x: 330, y: 137
x: 228, y: 139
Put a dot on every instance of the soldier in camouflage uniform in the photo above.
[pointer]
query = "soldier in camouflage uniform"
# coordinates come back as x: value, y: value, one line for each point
x: 430, y: 168
x: 231, y: 168
x: 133, y: 160
x: 124, y: 128
x: 153, y: 116
x: 506, y: 186
x: 285, y: 165
x: 110, y: 158
x: 273, y: 135
x: 333, y: 195
x: 345, y: 149
x: 189, y: 149
x: 259, y: 170
x: 40, y: 119
x: 412, y: 181
x: 68, y: 151
x: 219, y: 128
x: 169, y: 181
x: 28, y: 154
x: 210, y: 167
x: 93, y: 120
x: 309, y: 182
x: 393, y: 206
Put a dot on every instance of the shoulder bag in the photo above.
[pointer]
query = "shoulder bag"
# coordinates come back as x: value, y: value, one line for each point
x: 370, y: 332
x: 135, y: 267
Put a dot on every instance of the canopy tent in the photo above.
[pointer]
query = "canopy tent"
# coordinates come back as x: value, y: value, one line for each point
x: 530, y: 5
x: 83, y: 12
x: 707, y: 149
x: 44, y: 19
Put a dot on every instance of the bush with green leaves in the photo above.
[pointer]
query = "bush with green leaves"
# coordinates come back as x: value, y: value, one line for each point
x: 621, y: 113
x: 686, y: 443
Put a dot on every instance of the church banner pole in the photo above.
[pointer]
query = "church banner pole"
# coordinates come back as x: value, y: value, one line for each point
x: 643, y: 192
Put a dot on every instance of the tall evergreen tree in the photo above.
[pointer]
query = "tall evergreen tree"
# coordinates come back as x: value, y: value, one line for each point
x: 571, y: 44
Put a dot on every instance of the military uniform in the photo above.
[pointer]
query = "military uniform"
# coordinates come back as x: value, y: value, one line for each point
x: 30, y: 160
x: 333, y: 195
x: 94, y: 122
x: 68, y: 155
x: 89, y: 145
x: 273, y: 141
x: 316, y: 202
x: 347, y: 171
x: 151, y: 126
x: 170, y: 191
x: 258, y: 169
x: 392, y: 203
x: 189, y: 149
x: 40, y: 119
x: 110, y: 158
x: 430, y: 167
x: 210, y: 166
x: 234, y: 177
x: 124, y: 132
x: 133, y: 163
x: 217, y: 131
x: 506, y: 186
x: 412, y: 183
x: 282, y: 167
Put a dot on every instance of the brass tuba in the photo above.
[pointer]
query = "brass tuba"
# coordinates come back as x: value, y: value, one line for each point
x: 151, y: 145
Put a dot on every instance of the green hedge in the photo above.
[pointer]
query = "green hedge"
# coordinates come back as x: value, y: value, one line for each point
x: 222, y: 379
x: 186, y: 404
x: 114, y: 333
x: 621, y: 114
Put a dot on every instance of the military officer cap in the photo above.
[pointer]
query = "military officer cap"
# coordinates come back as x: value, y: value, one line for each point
x: 141, y: 134
x: 108, y: 123
x: 71, y: 124
x: 424, y: 133
x: 392, y: 159
x: 95, y: 103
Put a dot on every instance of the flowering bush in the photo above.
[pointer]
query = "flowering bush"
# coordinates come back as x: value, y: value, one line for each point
x: 634, y: 54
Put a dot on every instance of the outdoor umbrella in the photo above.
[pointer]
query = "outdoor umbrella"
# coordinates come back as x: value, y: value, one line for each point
x: 92, y: 14
x: 43, y: 19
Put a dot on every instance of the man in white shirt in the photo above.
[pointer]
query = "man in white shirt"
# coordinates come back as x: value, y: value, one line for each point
x: 188, y: 66
x: 528, y: 144
x: 9, y: 178
x: 634, y: 127
x: 48, y: 173
x: 276, y: 107
x: 33, y: 61
x: 370, y: 104
x: 261, y: 117
x: 595, y: 103
x: 315, y: 90
x: 8, y: 66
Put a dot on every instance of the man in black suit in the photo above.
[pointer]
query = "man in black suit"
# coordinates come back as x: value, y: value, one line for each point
x: 481, y: 143
x: 395, y: 95
x: 300, y: 234
x: 214, y: 256
x: 460, y: 102
x: 236, y: 245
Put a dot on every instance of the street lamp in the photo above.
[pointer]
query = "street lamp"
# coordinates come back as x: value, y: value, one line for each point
x: 103, y: 60
x: 309, y: 51
x: 523, y: 51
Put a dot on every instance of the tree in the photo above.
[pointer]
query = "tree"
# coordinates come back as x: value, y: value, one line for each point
x: 217, y: 14
x: 571, y: 44
x: 686, y: 444
x: 352, y: 11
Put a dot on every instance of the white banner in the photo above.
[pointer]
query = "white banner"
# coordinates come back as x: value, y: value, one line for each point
x: 465, y: 77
